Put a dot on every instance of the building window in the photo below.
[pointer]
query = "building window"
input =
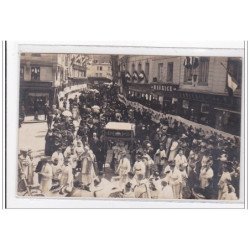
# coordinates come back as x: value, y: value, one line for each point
x: 35, y: 73
x: 170, y: 72
x: 147, y: 71
x: 96, y: 74
x: 101, y: 68
x: 66, y: 74
x: 235, y: 69
x: 188, y: 75
x: 205, y: 108
x: 22, y: 72
x: 185, y: 104
x: 66, y: 60
x: 203, y: 70
x: 160, y: 72
x: 139, y: 67
x: 133, y: 68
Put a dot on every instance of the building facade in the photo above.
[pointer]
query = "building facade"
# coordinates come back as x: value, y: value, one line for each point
x: 192, y: 87
x: 41, y: 77
x: 99, y: 70
x: 76, y: 69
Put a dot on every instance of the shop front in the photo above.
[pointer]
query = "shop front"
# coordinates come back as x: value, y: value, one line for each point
x: 227, y: 120
x: 219, y: 111
x: 34, y: 96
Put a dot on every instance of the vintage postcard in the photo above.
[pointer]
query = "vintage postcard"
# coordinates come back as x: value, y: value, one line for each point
x: 135, y: 127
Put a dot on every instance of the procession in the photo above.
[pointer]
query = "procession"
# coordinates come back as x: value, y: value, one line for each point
x: 152, y: 160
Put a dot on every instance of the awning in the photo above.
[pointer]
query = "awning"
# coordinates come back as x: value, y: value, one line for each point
x: 227, y: 110
x: 38, y: 94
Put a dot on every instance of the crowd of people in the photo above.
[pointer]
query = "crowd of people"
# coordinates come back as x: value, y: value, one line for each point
x: 166, y: 159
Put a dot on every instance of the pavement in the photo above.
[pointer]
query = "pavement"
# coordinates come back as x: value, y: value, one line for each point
x: 32, y: 135
x: 30, y: 119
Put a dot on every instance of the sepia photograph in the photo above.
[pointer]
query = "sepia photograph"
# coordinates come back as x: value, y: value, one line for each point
x: 134, y: 127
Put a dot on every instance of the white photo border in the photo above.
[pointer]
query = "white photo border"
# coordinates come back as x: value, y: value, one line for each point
x: 230, y: 49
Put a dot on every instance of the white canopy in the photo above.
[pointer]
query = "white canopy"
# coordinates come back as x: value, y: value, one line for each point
x: 120, y: 126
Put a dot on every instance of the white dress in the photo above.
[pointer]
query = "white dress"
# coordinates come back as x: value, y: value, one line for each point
x: 173, y: 150
x: 175, y: 179
x: 139, y: 168
x: 180, y: 160
x: 166, y: 192
x: 205, y: 176
x: 66, y: 178
x: 88, y: 172
x: 46, y: 179
x: 123, y: 168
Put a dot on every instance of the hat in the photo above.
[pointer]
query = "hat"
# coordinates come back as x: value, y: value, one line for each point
x: 223, y: 158
x: 183, y: 136
x: 195, y: 141
x: 24, y: 149
x: 128, y: 185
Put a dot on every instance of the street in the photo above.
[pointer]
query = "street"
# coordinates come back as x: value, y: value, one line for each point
x: 31, y: 135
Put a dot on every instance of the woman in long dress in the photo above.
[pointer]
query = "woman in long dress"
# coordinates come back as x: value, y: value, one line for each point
x: 46, y: 178
x: 123, y: 168
x: 161, y: 154
x: 141, y: 189
x: 173, y: 149
x: 175, y: 180
x: 88, y: 172
x: 66, y: 178
x: 166, y: 191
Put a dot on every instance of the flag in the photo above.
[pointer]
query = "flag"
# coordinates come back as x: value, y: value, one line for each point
x: 135, y: 75
x: 231, y: 83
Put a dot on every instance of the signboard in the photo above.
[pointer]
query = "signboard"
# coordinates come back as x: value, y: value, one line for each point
x: 118, y: 134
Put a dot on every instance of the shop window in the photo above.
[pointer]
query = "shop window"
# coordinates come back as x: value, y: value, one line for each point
x: 235, y: 69
x: 35, y: 73
x: 204, y: 108
x: 22, y: 72
x: 160, y: 72
x: 66, y: 60
x: 170, y: 71
x: 185, y: 104
x: 203, y: 71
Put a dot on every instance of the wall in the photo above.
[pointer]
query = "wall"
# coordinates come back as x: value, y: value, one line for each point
x: 153, y: 66
x: 106, y: 70
x: 217, y: 77
x: 46, y: 74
